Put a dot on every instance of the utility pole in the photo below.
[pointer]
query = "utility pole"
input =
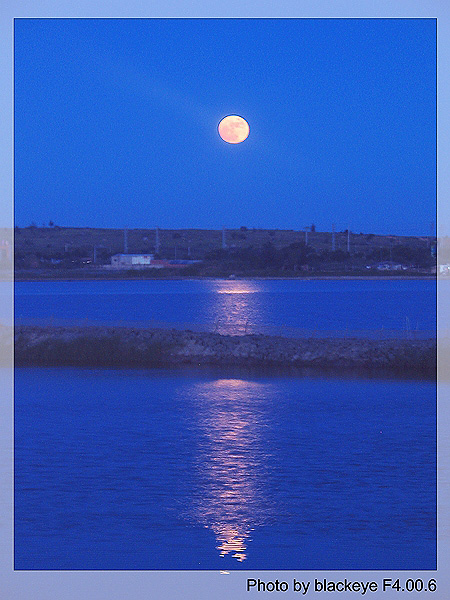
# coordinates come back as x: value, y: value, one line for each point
x: 157, y: 245
x: 348, y: 239
x: 431, y: 233
x: 306, y: 236
x: 125, y: 241
x: 224, y: 243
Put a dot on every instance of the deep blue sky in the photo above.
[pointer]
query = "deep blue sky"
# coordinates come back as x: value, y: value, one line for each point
x: 116, y: 123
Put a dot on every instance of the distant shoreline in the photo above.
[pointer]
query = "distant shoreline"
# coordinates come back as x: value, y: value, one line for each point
x: 100, y: 277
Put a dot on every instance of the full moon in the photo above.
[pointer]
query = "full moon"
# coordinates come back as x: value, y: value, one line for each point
x: 233, y: 129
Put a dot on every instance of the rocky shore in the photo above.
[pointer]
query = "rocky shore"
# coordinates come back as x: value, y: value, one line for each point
x: 102, y: 346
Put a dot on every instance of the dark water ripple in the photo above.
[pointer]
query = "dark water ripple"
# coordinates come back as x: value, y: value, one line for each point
x: 382, y: 308
x: 167, y: 469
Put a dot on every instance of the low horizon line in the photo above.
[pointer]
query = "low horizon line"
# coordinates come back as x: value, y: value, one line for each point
x: 219, y: 229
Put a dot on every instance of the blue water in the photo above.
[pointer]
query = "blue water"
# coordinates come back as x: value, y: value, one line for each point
x: 222, y: 469
x: 264, y: 306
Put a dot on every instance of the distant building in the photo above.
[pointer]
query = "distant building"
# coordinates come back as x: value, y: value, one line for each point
x: 139, y: 261
x: 171, y: 264
x: 444, y: 269
x: 130, y: 261
x: 389, y: 266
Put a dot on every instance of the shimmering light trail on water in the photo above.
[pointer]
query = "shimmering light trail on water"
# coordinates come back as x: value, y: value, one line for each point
x: 222, y: 469
x: 280, y: 307
x: 231, y: 464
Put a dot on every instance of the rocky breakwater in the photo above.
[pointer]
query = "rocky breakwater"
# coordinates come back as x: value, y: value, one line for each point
x: 124, y: 346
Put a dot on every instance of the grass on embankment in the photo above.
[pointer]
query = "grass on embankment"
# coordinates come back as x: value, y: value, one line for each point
x: 128, y: 347
x: 94, y: 347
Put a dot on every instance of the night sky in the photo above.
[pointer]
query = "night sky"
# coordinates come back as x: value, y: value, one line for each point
x: 116, y: 123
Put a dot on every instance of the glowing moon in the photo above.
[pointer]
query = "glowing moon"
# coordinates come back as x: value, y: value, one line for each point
x: 233, y: 129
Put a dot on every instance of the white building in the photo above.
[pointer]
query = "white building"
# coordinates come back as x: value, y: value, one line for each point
x: 130, y: 261
x: 389, y: 266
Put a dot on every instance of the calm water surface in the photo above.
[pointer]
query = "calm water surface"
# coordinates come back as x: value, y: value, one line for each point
x: 220, y: 469
x: 236, y: 306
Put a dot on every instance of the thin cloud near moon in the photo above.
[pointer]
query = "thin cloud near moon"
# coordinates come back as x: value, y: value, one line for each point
x: 233, y: 129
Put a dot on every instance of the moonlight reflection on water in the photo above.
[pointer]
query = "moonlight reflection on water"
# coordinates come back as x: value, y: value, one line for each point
x: 210, y: 469
x: 231, y: 498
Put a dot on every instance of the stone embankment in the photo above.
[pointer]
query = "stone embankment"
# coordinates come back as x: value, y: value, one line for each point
x: 125, y: 346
